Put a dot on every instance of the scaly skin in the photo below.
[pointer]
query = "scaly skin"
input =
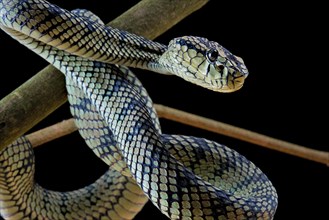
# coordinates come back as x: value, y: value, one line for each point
x: 185, y: 177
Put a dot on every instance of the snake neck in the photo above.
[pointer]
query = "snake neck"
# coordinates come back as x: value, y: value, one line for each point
x: 135, y: 51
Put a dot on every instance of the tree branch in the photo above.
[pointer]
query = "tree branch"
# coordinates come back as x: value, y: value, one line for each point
x: 52, y: 132
x: 242, y: 134
x: 66, y: 127
x: 45, y: 92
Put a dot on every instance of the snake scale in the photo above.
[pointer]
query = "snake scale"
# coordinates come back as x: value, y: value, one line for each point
x: 184, y: 177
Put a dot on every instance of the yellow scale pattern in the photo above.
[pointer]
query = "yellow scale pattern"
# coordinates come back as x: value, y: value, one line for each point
x: 185, y: 177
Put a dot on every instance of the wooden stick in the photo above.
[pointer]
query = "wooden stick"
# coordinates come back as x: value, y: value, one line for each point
x: 45, y: 92
x: 52, y: 132
x: 68, y: 126
x: 242, y: 134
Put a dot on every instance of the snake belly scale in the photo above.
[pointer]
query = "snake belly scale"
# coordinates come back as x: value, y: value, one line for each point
x: 185, y: 177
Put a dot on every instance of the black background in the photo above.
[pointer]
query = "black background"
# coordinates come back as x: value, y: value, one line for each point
x: 285, y: 97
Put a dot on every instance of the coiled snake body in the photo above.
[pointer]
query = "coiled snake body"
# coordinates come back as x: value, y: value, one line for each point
x: 185, y: 177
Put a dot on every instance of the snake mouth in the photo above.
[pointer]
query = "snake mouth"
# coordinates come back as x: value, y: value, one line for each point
x: 226, y: 86
x: 230, y: 90
x: 222, y: 84
x: 226, y: 89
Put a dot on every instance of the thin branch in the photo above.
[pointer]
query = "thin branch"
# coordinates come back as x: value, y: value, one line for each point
x: 242, y: 134
x: 52, y: 132
x: 66, y: 127
x: 45, y: 92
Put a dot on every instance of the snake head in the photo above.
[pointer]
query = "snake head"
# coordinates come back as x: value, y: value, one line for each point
x: 205, y: 63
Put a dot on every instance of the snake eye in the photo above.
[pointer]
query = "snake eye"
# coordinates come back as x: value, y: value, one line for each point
x: 212, y: 55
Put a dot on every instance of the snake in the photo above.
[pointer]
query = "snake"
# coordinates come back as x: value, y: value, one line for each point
x: 185, y: 177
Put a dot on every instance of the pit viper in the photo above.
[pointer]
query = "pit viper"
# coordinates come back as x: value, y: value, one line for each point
x: 185, y: 177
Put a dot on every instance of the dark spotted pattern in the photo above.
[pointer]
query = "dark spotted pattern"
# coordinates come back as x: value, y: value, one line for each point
x: 185, y: 177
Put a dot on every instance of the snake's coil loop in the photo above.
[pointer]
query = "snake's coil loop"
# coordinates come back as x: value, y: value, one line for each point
x: 185, y: 177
